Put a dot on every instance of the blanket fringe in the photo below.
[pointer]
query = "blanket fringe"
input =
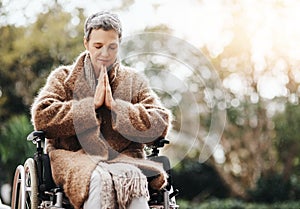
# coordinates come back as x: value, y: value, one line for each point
x: 129, y: 182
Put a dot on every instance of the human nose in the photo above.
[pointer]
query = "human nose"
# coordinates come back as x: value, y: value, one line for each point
x: 104, y: 51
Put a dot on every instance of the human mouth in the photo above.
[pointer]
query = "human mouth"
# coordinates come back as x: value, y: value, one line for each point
x: 103, y: 61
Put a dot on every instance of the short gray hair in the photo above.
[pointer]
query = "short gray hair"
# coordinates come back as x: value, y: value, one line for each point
x: 104, y: 20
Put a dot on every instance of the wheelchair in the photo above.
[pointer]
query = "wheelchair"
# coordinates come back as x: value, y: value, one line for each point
x: 34, y: 188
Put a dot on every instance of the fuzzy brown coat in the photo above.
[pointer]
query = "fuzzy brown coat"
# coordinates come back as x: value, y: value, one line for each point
x: 80, y: 137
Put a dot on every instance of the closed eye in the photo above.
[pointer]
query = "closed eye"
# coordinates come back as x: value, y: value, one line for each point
x: 98, y: 46
x: 113, y: 46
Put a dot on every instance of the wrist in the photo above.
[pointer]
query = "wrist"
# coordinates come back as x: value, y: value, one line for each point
x: 113, y: 106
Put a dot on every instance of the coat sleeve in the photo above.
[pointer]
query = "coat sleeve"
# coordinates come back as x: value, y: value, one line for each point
x: 144, y: 119
x: 55, y: 112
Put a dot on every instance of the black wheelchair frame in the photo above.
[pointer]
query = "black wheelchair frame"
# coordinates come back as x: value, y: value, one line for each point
x: 34, y: 188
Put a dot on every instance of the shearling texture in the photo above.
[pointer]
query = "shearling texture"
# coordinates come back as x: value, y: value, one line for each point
x: 80, y: 137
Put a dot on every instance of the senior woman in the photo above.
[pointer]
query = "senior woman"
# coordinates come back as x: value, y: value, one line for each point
x: 97, y: 116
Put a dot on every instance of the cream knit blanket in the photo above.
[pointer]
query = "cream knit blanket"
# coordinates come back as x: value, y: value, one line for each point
x: 121, y: 183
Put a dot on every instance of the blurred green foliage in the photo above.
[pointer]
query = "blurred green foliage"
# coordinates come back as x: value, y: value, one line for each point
x: 197, y: 181
x: 28, y: 54
x: 287, y: 139
x: 13, y: 147
x: 271, y: 188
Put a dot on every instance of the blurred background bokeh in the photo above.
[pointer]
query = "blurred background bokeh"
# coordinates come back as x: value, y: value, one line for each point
x: 253, y: 47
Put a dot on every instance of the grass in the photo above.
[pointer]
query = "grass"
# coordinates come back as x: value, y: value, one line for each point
x: 236, y: 204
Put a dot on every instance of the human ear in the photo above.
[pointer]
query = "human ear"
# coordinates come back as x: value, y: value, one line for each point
x: 86, y: 44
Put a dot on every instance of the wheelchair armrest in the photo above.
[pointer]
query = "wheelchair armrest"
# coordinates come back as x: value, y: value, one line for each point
x: 159, y: 143
x: 36, y: 136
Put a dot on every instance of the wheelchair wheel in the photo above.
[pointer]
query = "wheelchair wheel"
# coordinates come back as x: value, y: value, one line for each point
x: 18, y: 199
x: 31, y: 184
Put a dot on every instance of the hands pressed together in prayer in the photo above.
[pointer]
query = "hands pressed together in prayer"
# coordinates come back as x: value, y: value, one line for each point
x: 103, y: 94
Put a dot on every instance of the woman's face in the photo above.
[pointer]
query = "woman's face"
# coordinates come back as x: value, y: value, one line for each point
x: 103, y: 47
